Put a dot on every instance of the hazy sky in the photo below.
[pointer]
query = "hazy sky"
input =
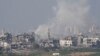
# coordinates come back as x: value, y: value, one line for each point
x: 25, y: 15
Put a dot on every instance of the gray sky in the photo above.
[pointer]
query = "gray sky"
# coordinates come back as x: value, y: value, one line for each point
x: 95, y: 10
x: 23, y: 15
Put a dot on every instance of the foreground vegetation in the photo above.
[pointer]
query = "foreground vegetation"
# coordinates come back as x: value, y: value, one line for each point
x: 96, y: 54
x: 63, y: 52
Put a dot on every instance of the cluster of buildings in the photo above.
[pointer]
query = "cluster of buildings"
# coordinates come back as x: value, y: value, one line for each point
x: 27, y: 41
x: 90, y: 39
x: 18, y: 42
x: 78, y: 41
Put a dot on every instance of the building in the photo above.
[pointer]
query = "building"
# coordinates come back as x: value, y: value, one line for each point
x: 25, y: 40
x: 4, y: 44
x: 80, y: 40
x: 5, y: 40
x: 89, y: 42
x: 67, y: 42
x: 49, y: 44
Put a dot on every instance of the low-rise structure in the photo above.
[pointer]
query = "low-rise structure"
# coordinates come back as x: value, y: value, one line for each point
x: 89, y: 42
x: 67, y: 42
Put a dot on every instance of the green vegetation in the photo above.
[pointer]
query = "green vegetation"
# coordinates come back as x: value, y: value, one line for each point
x: 85, y: 50
x: 35, y: 54
x: 71, y: 50
x: 63, y: 52
x: 96, y: 54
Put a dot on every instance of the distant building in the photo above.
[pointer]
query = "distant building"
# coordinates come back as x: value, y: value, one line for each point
x: 4, y: 44
x: 89, y: 42
x: 25, y: 40
x: 80, y: 40
x: 5, y: 40
x: 49, y: 44
x: 67, y: 42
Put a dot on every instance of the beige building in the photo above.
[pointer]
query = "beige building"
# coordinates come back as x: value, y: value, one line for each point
x: 67, y: 42
x: 87, y: 42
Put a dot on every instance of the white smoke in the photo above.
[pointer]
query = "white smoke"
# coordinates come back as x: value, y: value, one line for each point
x: 71, y: 18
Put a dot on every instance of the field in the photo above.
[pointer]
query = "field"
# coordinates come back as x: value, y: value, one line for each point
x: 63, y: 52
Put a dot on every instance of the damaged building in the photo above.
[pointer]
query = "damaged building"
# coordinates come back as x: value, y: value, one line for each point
x: 49, y: 44
x: 66, y: 42
x: 23, y: 41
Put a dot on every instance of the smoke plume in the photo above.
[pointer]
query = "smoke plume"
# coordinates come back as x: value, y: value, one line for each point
x: 71, y: 18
